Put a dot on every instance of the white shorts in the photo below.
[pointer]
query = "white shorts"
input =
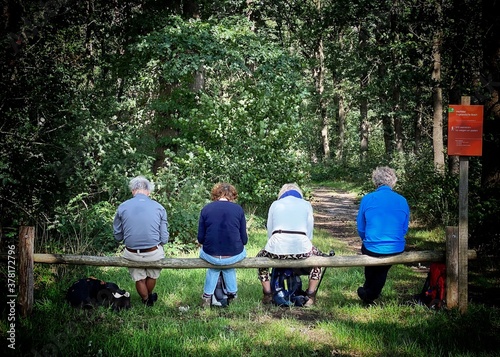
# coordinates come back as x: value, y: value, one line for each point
x: 141, y: 273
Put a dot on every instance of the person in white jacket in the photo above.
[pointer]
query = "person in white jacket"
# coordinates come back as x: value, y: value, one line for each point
x: 290, y: 225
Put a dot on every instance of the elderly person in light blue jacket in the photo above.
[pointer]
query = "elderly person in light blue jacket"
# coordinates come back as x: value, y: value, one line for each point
x: 141, y: 224
x: 382, y: 223
x: 290, y: 225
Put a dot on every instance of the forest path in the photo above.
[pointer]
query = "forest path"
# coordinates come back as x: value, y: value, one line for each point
x: 335, y: 210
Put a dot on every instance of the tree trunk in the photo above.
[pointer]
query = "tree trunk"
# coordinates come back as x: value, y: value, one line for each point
x: 398, y: 125
x: 320, y: 89
x: 491, y: 81
x: 437, y: 127
x: 364, y: 125
x: 341, y: 120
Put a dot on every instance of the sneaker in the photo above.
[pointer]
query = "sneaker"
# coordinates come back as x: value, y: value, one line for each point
x: 310, y: 302
x: 311, y: 299
x: 205, y: 302
x: 150, y: 301
x: 231, y: 298
x: 363, y: 296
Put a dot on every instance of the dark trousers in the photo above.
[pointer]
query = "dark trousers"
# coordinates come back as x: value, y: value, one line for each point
x: 375, y: 276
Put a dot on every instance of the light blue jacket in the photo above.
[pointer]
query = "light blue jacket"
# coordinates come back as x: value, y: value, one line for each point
x: 141, y: 223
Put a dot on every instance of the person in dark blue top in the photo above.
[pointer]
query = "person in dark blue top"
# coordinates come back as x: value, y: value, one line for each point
x: 222, y: 232
x: 382, y: 223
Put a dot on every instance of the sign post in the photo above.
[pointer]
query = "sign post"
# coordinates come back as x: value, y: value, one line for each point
x: 465, y: 138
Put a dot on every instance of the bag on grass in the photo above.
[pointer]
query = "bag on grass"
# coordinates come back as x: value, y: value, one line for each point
x: 88, y: 293
x: 433, y: 293
x: 220, y: 296
x: 286, y: 287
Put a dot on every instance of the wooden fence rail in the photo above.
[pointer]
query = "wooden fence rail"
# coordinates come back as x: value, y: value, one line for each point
x: 249, y: 262
x: 27, y: 258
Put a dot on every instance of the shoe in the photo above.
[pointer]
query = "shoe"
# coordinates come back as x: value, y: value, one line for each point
x: 267, y: 299
x: 363, y: 296
x: 311, y: 299
x: 206, y: 302
x: 310, y: 302
x: 231, y: 298
x: 150, y: 301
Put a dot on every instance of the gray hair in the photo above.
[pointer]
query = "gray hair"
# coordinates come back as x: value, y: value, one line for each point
x: 141, y: 183
x: 384, y: 175
x: 289, y: 187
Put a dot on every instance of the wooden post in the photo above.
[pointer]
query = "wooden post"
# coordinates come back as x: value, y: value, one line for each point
x: 463, y: 235
x: 26, y: 262
x: 451, y: 267
x: 463, y: 228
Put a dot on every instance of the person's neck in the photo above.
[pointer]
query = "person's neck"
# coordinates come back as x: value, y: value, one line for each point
x: 142, y: 192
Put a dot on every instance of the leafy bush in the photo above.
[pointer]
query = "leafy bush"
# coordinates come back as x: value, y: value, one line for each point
x: 84, y: 228
x: 433, y: 198
x: 183, y: 199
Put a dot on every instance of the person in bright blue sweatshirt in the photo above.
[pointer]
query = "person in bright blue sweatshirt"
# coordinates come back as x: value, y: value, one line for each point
x: 222, y: 232
x: 382, y: 223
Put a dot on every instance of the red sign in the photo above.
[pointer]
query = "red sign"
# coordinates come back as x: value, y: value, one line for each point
x: 465, y: 130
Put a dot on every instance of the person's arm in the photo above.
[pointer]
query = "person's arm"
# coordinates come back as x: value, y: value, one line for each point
x: 201, y: 229
x: 269, y: 225
x: 361, y: 221
x: 164, y: 234
x: 117, y: 228
x: 243, y: 228
x: 310, y: 223
x: 406, y: 223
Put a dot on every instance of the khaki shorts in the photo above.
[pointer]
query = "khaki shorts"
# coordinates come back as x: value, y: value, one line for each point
x: 141, y: 273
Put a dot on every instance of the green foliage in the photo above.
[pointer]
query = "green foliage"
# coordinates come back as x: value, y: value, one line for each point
x: 433, y: 198
x: 183, y: 199
x: 244, y: 125
x: 84, y: 228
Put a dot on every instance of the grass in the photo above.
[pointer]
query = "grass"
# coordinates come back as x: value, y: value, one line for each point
x: 338, y: 326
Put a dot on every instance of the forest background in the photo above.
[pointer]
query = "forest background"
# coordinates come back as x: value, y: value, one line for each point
x: 256, y: 93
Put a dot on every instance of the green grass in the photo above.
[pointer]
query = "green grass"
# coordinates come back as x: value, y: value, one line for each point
x: 338, y: 326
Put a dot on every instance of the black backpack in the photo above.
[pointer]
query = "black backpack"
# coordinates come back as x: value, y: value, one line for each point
x: 90, y: 292
x: 286, y: 287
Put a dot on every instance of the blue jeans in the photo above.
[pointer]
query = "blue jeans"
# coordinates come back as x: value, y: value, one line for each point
x: 228, y: 274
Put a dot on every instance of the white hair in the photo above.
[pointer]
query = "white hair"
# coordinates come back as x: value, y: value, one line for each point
x: 288, y: 187
x: 141, y: 183
x: 384, y: 175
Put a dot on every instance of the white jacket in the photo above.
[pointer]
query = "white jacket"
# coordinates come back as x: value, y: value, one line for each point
x: 290, y: 214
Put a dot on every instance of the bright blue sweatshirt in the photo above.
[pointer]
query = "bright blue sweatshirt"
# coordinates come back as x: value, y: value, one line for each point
x: 222, y: 228
x: 382, y: 221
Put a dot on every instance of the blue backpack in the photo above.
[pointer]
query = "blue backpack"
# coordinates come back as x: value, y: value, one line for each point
x: 286, y: 287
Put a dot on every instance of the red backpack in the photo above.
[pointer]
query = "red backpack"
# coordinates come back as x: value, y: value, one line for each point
x: 433, y: 293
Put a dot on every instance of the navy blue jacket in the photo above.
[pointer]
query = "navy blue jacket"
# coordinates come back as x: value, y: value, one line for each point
x: 222, y: 228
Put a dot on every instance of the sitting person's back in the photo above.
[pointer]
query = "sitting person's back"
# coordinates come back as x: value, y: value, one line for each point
x: 290, y: 224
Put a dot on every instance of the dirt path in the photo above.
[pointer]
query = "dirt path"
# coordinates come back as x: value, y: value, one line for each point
x: 335, y: 211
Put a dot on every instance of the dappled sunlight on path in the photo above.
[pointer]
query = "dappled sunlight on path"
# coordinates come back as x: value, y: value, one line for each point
x: 335, y: 211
